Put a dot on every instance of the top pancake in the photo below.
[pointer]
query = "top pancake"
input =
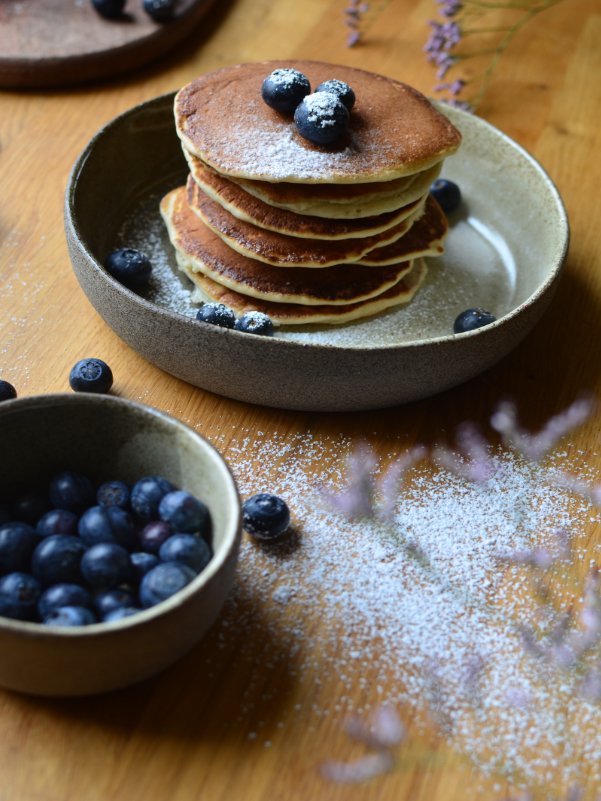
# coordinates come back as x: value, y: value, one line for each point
x: 393, y: 130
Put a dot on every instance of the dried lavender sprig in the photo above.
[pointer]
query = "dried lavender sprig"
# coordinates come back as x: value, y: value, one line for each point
x: 534, y: 447
x: 474, y: 461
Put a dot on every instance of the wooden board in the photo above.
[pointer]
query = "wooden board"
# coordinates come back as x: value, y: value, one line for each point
x: 61, y: 42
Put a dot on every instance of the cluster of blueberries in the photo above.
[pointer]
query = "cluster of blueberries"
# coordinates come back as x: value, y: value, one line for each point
x: 159, y: 10
x: 72, y: 556
x: 320, y: 117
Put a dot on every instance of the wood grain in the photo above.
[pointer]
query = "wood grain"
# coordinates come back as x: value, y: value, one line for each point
x: 179, y: 737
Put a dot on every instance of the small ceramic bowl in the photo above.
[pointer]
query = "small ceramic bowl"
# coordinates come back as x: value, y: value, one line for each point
x: 105, y: 437
x: 506, y: 247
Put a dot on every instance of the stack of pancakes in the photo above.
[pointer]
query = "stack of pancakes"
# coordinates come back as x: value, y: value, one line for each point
x: 306, y: 233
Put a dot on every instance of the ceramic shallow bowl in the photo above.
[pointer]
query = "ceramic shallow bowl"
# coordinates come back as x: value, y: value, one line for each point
x: 506, y: 247
x: 105, y: 437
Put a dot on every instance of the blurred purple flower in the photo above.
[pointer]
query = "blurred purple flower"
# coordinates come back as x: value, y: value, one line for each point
x: 535, y: 447
x: 389, y: 485
x: 592, y: 492
x: 454, y: 87
x: 359, y: 770
x: 449, y: 8
x: 352, y: 20
x: 541, y: 558
x: 473, y: 462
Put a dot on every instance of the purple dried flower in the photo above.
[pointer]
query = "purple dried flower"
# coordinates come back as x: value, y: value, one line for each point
x: 541, y: 558
x: 357, y: 499
x: 353, y: 38
x: 386, y: 727
x: 389, y: 485
x: 444, y: 62
x: 454, y: 87
x: 360, y: 770
x: 535, y: 447
x: 591, y: 685
x: 474, y: 462
x: 449, y: 8
x: 464, y: 105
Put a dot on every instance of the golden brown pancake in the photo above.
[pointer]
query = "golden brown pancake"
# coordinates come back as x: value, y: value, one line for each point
x: 424, y: 238
x: 208, y: 291
x: 252, y: 210
x: 393, y: 130
x: 198, y: 249
x: 279, y: 249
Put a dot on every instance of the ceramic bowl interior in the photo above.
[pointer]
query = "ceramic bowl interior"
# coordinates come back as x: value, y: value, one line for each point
x: 105, y: 437
x: 506, y: 246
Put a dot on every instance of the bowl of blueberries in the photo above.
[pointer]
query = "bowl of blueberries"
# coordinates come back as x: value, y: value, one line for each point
x: 119, y: 535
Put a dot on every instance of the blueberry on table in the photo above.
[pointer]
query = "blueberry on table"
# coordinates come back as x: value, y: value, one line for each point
x: 216, y: 314
x: 7, y: 391
x: 30, y: 506
x: 184, y: 512
x: 110, y: 600
x: 56, y: 560
x: 24, y: 591
x: 284, y: 89
x: 470, y: 319
x: 188, y: 549
x: 107, y: 524
x: 255, y: 322
x: 265, y: 516
x: 59, y: 595
x: 342, y: 91
x: 105, y: 566
x: 321, y: 118
x: 114, y: 493
x: 17, y: 543
x: 91, y: 375
x: 70, y: 616
x: 141, y: 563
x: 120, y: 613
x: 147, y: 494
x: 130, y: 267
x: 163, y: 581
x: 71, y: 491
x: 446, y: 194
x: 154, y: 535
x: 160, y: 10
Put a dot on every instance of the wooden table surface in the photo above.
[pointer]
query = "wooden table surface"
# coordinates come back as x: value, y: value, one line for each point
x: 185, y: 734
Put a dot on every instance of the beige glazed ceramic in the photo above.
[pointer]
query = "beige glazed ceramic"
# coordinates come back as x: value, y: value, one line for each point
x: 506, y: 247
x: 105, y: 437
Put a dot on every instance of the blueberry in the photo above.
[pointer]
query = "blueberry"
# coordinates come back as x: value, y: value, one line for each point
x: 70, y: 616
x: 446, y: 194
x: 321, y: 118
x: 59, y: 595
x: 58, y: 521
x: 160, y: 10
x: 105, y: 565
x: 141, y: 563
x: 342, y: 91
x: 17, y: 543
x: 184, y: 512
x: 284, y: 89
x: 188, y: 549
x: 470, y: 319
x: 130, y: 267
x: 114, y: 493
x: 56, y: 560
x: 71, y: 491
x: 163, y: 581
x: 107, y: 524
x: 255, y: 322
x: 24, y: 591
x: 147, y: 494
x: 7, y: 391
x: 30, y: 507
x: 110, y: 600
x: 91, y: 375
x: 216, y: 314
x: 154, y: 535
x: 265, y: 516
x: 120, y: 613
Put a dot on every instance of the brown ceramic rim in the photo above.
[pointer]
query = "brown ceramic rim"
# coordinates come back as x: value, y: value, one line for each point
x: 37, y: 630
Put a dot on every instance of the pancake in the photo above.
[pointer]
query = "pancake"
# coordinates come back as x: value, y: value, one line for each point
x: 281, y: 250
x: 208, y: 291
x: 393, y: 130
x: 252, y: 210
x: 424, y: 238
x: 198, y: 249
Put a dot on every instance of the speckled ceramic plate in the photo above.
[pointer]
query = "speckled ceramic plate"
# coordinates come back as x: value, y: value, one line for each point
x: 504, y: 253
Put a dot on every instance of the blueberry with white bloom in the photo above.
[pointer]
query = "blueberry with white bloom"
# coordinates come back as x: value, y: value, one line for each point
x: 255, y: 322
x: 342, y: 91
x: 284, y: 89
x: 321, y: 118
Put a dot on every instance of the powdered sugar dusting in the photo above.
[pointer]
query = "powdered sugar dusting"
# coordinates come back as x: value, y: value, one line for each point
x: 350, y: 608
